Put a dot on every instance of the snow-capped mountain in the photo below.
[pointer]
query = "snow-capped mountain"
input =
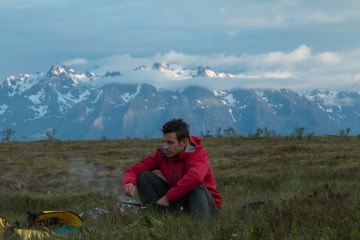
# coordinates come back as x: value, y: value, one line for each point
x: 343, y: 108
x: 78, y: 107
x: 172, y: 70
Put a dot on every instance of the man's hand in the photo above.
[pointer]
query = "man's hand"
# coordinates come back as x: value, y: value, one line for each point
x: 163, y: 201
x: 129, y: 189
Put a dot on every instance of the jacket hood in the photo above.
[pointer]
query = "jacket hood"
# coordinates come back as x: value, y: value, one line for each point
x: 195, y: 143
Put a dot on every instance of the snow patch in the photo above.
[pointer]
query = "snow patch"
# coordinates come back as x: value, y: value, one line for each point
x: 128, y: 96
x: 36, y: 97
x: 40, y: 111
x: 231, y: 114
x: 227, y: 98
x: 3, y: 108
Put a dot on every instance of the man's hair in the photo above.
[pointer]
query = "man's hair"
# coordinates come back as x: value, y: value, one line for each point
x: 179, y: 126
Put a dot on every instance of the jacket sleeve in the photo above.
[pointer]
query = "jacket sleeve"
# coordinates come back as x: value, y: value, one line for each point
x: 196, y: 170
x: 147, y: 164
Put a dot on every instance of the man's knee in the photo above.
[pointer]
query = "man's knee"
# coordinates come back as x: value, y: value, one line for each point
x: 201, y: 202
x: 144, y: 176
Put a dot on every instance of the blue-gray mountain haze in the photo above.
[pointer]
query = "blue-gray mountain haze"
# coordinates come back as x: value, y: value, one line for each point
x: 78, y: 109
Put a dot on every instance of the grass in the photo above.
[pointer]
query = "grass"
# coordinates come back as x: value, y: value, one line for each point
x: 310, y: 187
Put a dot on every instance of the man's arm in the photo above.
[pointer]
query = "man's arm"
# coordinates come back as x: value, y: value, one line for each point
x: 129, y: 179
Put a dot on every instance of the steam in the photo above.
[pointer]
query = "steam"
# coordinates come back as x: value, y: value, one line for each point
x: 95, y: 178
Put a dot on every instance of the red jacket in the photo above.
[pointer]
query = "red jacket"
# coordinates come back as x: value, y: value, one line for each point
x: 183, y: 174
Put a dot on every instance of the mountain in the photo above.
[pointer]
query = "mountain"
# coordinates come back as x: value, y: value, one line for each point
x: 86, y: 106
x: 176, y: 71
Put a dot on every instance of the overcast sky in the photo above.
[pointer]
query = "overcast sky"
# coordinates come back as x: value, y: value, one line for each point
x: 271, y: 43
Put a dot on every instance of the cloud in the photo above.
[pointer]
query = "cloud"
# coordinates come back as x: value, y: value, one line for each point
x: 299, y: 68
x: 300, y: 54
x: 279, y: 42
x: 328, y: 58
x: 267, y: 75
x: 75, y: 61
x: 321, y: 17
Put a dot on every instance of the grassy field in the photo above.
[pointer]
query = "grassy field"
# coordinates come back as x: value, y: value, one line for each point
x: 310, y: 187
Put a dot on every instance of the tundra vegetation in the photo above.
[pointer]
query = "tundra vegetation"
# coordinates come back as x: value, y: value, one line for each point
x: 309, y: 186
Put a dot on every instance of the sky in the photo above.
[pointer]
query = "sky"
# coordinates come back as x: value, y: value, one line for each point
x: 300, y: 44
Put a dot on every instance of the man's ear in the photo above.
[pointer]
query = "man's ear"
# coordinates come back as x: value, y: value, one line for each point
x: 185, y: 141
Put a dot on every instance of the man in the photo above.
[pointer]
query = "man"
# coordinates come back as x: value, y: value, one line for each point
x: 189, y: 182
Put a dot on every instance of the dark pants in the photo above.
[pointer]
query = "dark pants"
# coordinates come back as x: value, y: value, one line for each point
x: 199, y: 202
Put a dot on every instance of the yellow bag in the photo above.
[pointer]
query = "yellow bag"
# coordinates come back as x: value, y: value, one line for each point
x: 43, y: 225
x: 61, y: 223
x: 29, y: 234
x: 57, y: 217
x: 8, y: 231
x: 5, y: 226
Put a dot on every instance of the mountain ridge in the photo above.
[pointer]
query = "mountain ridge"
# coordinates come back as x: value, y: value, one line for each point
x: 80, y: 108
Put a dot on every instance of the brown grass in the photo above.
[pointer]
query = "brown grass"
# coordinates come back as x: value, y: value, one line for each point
x: 310, y: 186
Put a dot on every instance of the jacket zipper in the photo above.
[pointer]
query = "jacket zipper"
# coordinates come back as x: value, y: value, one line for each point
x: 172, y: 174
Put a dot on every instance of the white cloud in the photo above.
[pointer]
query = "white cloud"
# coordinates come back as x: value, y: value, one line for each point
x: 296, y: 69
x: 321, y: 17
x: 268, y: 75
x: 300, y: 54
x: 275, y: 42
x: 75, y: 61
x: 328, y: 58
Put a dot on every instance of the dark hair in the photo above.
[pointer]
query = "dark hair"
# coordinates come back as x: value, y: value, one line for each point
x: 179, y: 126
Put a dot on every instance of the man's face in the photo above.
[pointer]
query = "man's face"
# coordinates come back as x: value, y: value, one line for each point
x: 171, y: 146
